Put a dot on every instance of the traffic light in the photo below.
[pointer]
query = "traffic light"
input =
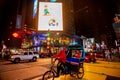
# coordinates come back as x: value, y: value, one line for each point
x: 16, y: 35
x: 48, y: 40
x: 48, y: 47
x: 48, y: 34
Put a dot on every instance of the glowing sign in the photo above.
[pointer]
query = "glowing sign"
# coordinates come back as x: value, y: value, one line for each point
x: 35, y: 8
x: 53, y: 0
x: 88, y: 43
x: 50, y: 16
x: 16, y: 35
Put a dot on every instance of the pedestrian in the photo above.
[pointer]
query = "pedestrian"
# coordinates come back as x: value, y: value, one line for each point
x: 4, y: 48
x: 107, y: 55
x: 111, y: 53
x: 62, y: 60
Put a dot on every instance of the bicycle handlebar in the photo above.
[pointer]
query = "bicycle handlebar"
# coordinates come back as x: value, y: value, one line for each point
x: 57, y: 58
x: 53, y: 61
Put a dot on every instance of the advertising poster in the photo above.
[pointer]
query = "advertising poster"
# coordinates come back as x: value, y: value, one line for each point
x: 88, y: 44
x: 116, y: 25
x: 50, y: 16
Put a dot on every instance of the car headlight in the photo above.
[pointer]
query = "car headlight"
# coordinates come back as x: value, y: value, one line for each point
x: 12, y: 57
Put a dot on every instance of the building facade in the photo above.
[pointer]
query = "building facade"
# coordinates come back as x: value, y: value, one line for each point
x: 94, y: 19
x: 43, y: 39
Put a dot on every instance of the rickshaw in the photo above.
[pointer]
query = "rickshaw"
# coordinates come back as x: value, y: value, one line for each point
x: 74, y: 60
x: 75, y: 56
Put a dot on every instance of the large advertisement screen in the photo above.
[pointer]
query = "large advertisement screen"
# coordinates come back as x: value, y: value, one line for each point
x: 50, y: 16
x: 88, y: 43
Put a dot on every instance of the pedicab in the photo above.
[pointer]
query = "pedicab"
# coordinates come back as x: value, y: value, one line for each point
x: 74, y: 64
x: 75, y: 57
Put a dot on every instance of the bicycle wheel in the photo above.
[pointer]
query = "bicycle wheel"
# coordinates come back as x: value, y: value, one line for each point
x: 74, y: 70
x: 73, y: 74
x: 49, y: 75
x: 80, y: 74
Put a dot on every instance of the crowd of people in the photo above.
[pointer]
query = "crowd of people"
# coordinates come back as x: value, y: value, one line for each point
x: 4, y: 52
x: 111, y: 54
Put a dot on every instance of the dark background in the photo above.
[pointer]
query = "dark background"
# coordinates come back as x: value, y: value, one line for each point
x: 8, y: 8
x: 92, y: 17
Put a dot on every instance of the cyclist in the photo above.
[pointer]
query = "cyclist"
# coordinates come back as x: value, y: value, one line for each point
x: 61, y: 60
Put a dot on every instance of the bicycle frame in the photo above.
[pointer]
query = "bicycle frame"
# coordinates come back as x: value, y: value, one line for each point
x: 52, y: 68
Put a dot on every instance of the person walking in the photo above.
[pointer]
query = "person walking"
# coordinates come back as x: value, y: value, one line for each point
x: 107, y: 55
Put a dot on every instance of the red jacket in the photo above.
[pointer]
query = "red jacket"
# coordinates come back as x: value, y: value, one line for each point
x: 61, y: 55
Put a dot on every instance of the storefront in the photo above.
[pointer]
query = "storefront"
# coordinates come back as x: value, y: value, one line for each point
x: 47, y: 43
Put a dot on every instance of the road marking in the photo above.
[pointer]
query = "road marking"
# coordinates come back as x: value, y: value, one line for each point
x: 96, y: 73
x: 38, y: 77
x: 104, y: 66
x: 28, y: 66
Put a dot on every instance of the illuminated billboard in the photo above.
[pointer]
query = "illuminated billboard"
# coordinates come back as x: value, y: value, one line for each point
x: 88, y: 44
x: 50, y: 16
x: 35, y: 7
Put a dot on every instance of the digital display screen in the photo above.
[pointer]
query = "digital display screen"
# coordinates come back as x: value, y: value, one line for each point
x: 50, y: 16
x: 35, y: 8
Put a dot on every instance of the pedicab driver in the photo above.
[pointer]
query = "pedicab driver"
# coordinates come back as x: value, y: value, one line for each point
x: 61, y: 60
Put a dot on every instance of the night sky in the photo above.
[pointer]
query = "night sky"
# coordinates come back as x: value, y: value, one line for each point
x: 99, y: 13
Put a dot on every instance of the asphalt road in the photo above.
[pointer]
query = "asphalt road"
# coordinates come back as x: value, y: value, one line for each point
x: 23, y: 70
x: 101, y: 70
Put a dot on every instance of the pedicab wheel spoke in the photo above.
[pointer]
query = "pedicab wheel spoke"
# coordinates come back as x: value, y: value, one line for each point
x: 80, y: 74
x: 49, y: 75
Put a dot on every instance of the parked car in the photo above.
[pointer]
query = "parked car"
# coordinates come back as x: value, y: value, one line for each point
x: 90, y: 58
x: 99, y: 55
x: 27, y: 55
x: 44, y: 55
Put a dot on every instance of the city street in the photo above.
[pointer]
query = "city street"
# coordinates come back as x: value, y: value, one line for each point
x: 101, y: 70
x: 82, y: 31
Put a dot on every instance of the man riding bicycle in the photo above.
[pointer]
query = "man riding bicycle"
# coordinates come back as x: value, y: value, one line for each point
x: 67, y: 64
x: 61, y: 60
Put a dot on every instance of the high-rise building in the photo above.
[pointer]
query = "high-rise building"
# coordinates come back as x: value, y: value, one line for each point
x: 29, y: 12
x: 94, y: 19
